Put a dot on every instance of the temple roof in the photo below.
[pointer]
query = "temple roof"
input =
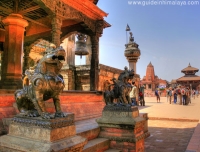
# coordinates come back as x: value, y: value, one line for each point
x: 94, y: 1
x: 39, y: 12
x: 189, y: 68
x: 188, y: 78
x: 150, y: 65
x: 87, y: 8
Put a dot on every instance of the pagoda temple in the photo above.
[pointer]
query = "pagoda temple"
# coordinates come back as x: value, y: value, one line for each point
x: 189, y: 79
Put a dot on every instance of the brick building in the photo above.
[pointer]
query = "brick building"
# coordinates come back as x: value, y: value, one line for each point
x: 152, y: 81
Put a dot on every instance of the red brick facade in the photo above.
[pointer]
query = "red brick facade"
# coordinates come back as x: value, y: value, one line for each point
x: 82, y: 103
x: 151, y: 81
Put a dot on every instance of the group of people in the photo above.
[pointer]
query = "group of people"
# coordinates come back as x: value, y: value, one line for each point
x: 179, y: 95
x: 137, y: 95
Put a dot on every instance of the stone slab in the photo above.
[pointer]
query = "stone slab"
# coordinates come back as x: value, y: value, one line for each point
x: 120, y: 115
x: 42, y: 134
x: 17, y: 144
x: 42, y: 129
x: 97, y: 145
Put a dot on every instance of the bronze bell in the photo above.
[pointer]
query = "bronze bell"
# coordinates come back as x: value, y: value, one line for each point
x: 81, y: 48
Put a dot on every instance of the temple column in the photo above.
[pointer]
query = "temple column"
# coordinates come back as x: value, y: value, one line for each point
x: 56, y: 30
x: 12, y: 59
x: 88, y: 44
x: 132, y: 63
x: 94, y: 66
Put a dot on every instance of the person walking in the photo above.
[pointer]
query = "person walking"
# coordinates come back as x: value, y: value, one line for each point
x: 133, y: 94
x: 175, y: 96
x: 157, y: 95
x: 179, y: 97
x: 170, y: 95
x: 141, y: 95
x: 183, y: 93
x: 193, y: 93
x: 197, y: 93
x: 167, y: 91
x: 188, y: 94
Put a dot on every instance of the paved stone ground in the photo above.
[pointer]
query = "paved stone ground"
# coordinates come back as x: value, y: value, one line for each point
x: 166, y: 110
x: 172, y: 136
x: 169, y: 136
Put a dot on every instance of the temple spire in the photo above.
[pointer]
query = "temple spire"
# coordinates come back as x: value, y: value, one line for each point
x: 150, y: 64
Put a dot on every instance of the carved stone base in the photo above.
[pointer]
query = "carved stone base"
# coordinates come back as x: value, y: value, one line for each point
x: 42, y: 135
x: 123, y: 127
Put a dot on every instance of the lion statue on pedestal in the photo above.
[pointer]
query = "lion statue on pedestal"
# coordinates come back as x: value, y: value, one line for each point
x: 45, y: 83
x: 120, y: 89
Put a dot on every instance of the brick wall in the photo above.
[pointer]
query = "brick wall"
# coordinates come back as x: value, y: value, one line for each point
x: 84, y: 104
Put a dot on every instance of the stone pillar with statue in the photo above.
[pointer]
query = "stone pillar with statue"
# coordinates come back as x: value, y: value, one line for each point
x: 121, y: 123
x: 132, y: 54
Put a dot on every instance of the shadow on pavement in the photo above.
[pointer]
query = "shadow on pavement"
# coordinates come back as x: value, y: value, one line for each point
x: 142, y: 107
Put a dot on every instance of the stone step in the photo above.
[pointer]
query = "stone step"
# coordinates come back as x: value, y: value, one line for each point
x: 113, y: 150
x: 97, y: 145
x: 87, y: 128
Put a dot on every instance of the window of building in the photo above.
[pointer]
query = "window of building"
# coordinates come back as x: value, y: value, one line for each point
x: 149, y: 86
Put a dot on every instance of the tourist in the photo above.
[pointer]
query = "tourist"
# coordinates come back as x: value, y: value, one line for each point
x: 170, y: 95
x: 157, y: 95
x: 193, y: 93
x: 188, y: 94
x: 197, y: 93
x: 183, y: 93
x: 133, y: 94
x: 172, y: 98
x: 167, y: 91
x: 179, y: 96
x: 141, y: 95
x: 175, y: 95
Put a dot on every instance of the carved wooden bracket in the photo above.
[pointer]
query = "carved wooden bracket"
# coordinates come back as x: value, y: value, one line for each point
x: 99, y: 27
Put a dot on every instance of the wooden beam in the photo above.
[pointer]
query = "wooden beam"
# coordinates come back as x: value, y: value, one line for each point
x: 36, y: 22
x: 29, y: 9
x: 7, y: 11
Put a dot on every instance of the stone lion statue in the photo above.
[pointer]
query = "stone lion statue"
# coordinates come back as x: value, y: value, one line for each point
x: 45, y: 82
x: 121, y: 89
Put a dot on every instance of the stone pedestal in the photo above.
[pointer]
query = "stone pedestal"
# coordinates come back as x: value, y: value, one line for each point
x: 123, y: 127
x: 40, y: 135
x: 11, y: 77
x: 146, y: 132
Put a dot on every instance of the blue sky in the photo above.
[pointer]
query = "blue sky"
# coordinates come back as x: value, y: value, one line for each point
x: 168, y: 36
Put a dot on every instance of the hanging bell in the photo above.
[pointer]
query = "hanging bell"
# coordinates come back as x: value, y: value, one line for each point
x: 81, y: 48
